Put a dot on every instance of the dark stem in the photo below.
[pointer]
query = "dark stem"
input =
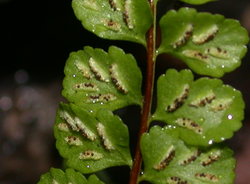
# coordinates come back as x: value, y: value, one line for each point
x: 146, y: 110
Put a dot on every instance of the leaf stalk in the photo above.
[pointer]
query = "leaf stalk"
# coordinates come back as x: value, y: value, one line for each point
x: 148, y: 95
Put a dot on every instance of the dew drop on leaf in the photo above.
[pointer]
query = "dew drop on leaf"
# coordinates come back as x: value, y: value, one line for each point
x: 230, y: 116
x: 210, y: 142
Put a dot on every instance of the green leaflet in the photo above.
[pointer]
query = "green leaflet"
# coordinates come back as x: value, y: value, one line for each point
x: 96, y: 79
x: 90, y: 144
x: 168, y: 160
x: 208, y: 44
x: 57, y: 176
x: 196, y: 2
x: 204, y: 111
x: 115, y: 19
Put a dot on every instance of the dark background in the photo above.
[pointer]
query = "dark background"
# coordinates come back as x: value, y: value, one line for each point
x: 36, y: 38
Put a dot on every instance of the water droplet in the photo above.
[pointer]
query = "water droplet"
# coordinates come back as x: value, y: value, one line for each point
x: 74, y: 75
x: 230, y: 116
x: 210, y: 142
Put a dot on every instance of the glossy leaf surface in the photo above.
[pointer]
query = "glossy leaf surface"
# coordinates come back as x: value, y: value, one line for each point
x: 57, y: 176
x: 115, y: 19
x: 168, y: 160
x: 91, y: 144
x: 196, y: 2
x: 96, y: 79
x: 204, y: 111
x: 208, y: 44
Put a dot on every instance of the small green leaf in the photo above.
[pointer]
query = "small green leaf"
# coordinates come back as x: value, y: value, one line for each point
x: 208, y: 44
x: 204, y: 111
x: 196, y: 2
x: 96, y: 79
x: 115, y: 19
x: 168, y: 160
x: 91, y: 144
x: 57, y: 176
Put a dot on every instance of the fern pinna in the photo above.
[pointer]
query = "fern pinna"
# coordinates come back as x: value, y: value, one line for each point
x: 196, y: 114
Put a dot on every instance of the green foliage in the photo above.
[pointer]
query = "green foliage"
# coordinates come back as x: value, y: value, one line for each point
x: 167, y: 159
x: 208, y: 44
x: 115, y: 19
x: 196, y: 2
x: 90, y: 143
x: 204, y: 111
x: 95, y: 79
x: 198, y: 114
x: 57, y: 176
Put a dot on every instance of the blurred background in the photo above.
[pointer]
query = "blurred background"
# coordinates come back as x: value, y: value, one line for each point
x: 36, y: 38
